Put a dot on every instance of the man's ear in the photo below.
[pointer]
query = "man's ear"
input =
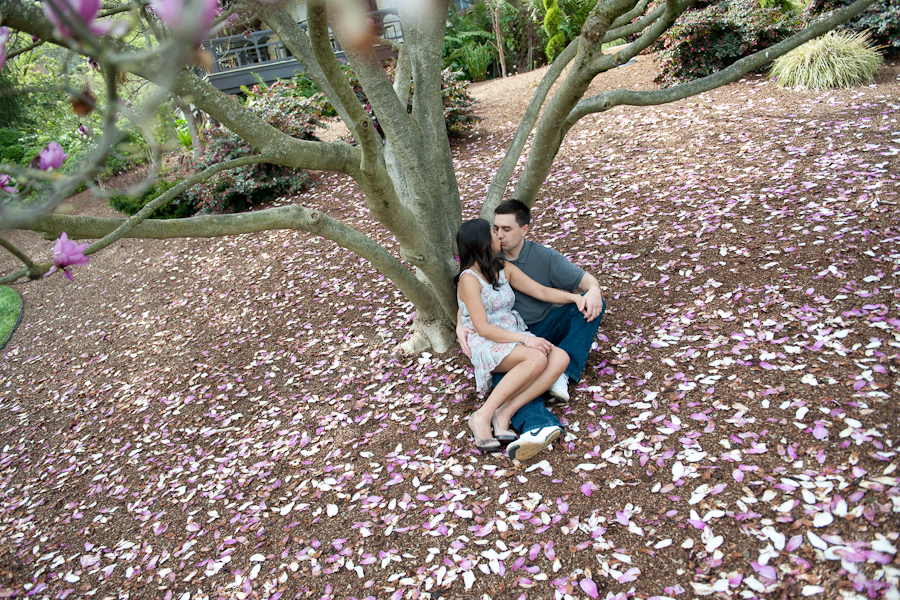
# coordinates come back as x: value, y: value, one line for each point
x: 525, y: 229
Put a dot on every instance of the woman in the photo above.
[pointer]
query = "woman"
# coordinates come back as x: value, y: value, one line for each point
x: 501, y: 343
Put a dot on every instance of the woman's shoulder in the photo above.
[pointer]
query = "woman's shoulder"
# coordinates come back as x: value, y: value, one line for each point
x: 473, y: 273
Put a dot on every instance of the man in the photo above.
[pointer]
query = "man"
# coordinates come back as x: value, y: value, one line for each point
x: 563, y: 326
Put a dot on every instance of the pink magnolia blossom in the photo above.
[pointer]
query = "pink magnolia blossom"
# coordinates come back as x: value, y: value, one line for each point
x: 202, y: 13
x: 4, y: 185
x: 61, y: 12
x: 4, y: 37
x: 67, y: 253
x: 51, y: 157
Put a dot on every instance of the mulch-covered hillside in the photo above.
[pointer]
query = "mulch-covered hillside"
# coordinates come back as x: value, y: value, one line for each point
x: 228, y: 419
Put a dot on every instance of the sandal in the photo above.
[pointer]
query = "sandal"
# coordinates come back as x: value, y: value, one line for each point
x: 504, y: 436
x: 483, y: 444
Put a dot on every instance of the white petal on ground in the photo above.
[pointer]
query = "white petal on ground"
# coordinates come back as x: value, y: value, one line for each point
x: 822, y: 519
x: 809, y: 590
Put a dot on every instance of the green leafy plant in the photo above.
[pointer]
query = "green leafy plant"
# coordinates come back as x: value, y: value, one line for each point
x: 182, y: 133
x: 11, y: 147
x: 130, y: 206
x: 707, y: 40
x: 834, y: 60
x: 476, y: 58
x: 465, y: 29
x: 238, y: 189
x: 241, y: 188
x: 881, y: 20
x: 459, y: 105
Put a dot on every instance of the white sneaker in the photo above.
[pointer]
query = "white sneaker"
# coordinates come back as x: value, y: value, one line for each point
x: 532, y: 442
x: 560, y: 389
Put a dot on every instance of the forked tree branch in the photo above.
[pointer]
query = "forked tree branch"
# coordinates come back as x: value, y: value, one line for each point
x: 611, y: 98
x: 30, y: 269
x: 638, y: 9
x: 637, y: 26
x: 672, y: 9
x: 501, y: 178
x: 403, y: 76
x: 387, y: 104
x: 360, y: 124
x: 167, y: 197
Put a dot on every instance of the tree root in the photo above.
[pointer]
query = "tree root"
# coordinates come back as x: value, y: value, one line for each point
x: 435, y: 336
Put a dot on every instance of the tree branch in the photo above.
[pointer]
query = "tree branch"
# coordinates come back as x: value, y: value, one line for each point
x: 278, y: 19
x: 167, y: 197
x: 630, y: 15
x: 282, y: 148
x: 294, y: 217
x: 501, y: 178
x: 402, y: 76
x: 632, y: 28
x: 317, y: 22
x: 27, y: 48
x: 30, y: 268
x: 611, y: 98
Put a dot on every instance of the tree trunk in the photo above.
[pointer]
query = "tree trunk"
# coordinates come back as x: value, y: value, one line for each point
x: 495, y: 22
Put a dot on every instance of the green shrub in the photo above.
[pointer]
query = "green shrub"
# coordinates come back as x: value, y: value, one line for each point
x: 707, y: 40
x: 834, y: 60
x: 459, y: 105
x: 129, y: 153
x: 476, y: 58
x: 556, y: 38
x: 881, y: 20
x: 11, y: 148
x: 238, y: 189
x: 176, y: 209
x: 472, y: 26
x: 13, y: 106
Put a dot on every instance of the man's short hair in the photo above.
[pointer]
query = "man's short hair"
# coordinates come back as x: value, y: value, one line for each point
x: 517, y: 208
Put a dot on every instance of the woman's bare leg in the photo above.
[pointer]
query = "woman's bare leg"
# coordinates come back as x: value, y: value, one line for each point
x: 522, y: 366
x: 556, y: 365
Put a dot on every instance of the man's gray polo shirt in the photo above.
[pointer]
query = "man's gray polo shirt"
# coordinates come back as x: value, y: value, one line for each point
x: 549, y: 268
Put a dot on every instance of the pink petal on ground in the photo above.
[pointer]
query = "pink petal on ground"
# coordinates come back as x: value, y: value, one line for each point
x: 589, y: 587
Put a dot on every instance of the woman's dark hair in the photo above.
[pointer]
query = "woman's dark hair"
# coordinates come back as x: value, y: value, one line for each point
x: 474, y: 242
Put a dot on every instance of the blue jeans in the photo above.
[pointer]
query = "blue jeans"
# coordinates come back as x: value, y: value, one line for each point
x: 567, y: 328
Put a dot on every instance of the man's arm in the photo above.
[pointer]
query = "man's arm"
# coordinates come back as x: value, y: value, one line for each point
x: 462, y: 333
x: 593, y: 298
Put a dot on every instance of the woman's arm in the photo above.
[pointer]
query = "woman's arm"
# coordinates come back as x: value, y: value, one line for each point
x: 470, y: 293
x: 525, y: 284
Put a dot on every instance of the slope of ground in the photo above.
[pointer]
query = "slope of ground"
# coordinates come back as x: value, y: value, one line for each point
x: 226, y: 419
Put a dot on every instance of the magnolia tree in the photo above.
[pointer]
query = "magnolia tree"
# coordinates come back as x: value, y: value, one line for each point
x: 406, y: 176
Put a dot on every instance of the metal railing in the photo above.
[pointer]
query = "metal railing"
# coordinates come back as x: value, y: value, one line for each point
x: 264, y: 47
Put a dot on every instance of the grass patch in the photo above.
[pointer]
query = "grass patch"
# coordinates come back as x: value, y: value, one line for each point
x: 834, y: 60
x: 10, y: 307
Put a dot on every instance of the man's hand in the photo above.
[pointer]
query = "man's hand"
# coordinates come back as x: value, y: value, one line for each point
x: 593, y: 304
x: 462, y: 333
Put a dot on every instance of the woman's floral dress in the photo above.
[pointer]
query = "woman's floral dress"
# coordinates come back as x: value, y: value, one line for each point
x: 486, y: 355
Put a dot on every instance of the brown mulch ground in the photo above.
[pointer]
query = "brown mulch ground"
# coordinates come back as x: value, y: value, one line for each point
x: 225, y: 418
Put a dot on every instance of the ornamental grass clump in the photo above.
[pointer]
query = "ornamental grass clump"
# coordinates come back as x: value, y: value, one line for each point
x: 835, y: 60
